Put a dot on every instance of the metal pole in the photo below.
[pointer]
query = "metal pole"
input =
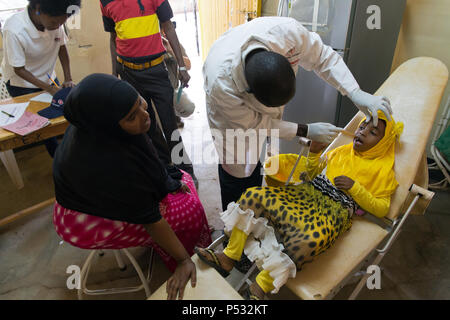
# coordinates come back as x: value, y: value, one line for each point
x: 383, y: 251
x: 196, y: 25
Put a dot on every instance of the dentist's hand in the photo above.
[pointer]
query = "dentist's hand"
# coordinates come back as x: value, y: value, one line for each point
x: 322, y: 132
x: 369, y: 105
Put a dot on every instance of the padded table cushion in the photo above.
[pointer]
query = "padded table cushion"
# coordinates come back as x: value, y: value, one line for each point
x: 319, y: 277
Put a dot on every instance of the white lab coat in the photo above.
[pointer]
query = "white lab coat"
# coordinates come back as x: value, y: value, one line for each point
x: 228, y: 104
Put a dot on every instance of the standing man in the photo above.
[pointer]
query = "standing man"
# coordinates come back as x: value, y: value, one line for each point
x: 249, y: 76
x: 137, y: 56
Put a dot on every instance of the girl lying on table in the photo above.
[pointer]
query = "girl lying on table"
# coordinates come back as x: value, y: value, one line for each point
x: 308, y: 218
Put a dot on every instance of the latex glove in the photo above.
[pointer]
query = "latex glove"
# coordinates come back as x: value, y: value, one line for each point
x: 370, y: 104
x: 322, y: 132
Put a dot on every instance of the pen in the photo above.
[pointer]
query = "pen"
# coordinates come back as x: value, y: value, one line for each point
x: 52, y: 80
x: 10, y: 115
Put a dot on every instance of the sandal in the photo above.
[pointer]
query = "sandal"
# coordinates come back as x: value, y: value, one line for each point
x: 248, y: 295
x: 215, y: 264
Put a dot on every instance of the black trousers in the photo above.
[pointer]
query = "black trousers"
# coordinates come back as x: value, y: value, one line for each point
x: 52, y: 143
x: 153, y: 85
x: 231, y: 188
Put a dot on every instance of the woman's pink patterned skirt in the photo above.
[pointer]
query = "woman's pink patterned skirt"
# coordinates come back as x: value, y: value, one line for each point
x: 184, y: 213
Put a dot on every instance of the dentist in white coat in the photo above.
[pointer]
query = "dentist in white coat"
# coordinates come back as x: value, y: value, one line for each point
x: 249, y: 75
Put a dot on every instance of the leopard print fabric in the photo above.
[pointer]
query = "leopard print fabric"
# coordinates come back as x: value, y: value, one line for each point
x: 306, y: 221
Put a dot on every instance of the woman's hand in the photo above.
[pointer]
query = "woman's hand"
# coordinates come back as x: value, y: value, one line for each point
x: 184, y: 188
x: 343, y: 183
x: 68, y: 84
x: 177, y: 282
x: 317, y: 147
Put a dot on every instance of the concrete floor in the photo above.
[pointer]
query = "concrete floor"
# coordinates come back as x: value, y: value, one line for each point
x: 33, y: 261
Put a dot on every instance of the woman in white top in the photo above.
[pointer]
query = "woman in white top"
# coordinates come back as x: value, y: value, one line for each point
x: 33, y: 40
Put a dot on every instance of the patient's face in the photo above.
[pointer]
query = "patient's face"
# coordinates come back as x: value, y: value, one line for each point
x: 367, y: 135
x: 137, y: 121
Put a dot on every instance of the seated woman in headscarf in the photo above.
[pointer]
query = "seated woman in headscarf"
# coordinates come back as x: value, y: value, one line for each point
x: 282, y: 228
x: 111, y: 189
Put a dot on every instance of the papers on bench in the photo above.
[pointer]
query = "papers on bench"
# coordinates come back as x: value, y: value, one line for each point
x: 15, y: 109
x: 15, y: 118
x: 43, y: 97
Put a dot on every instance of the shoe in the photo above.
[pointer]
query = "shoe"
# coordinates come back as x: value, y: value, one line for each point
x: 215, y: 264
x: 249, y: 296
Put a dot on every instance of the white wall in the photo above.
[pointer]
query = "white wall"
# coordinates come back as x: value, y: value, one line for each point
x: 425, y: 32
x: 88, y: 46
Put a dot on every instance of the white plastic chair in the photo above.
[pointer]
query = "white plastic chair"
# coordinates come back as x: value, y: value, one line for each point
x: 4, y: 94
x: 117, y: 253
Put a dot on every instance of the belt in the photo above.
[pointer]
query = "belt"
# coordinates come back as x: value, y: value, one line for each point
x: 140, y: 66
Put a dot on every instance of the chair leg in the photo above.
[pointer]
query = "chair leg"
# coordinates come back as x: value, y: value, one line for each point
x: 150, y: 266
x: 87, y: 266
x: 246, y: 278
x: 139, y: 272
x: 119, y: 260
x: 217, y: 242
x: 84, y: 274
x: 9, y: 160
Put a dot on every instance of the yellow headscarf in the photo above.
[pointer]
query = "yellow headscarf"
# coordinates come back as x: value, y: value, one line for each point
x: 374, y: 168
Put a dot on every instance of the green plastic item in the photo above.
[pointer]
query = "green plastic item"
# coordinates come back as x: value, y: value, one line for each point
x: 180, y: 91
x: 443, y: 144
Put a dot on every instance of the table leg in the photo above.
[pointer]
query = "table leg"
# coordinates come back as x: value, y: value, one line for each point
x: 9, y: 160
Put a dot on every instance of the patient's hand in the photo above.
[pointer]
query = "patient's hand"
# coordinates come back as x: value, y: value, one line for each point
x: 317, y: 147
x: 343, y: 183
x: 184, y: 188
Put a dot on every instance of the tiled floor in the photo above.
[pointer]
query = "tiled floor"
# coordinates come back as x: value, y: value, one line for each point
x: 33, y: 261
